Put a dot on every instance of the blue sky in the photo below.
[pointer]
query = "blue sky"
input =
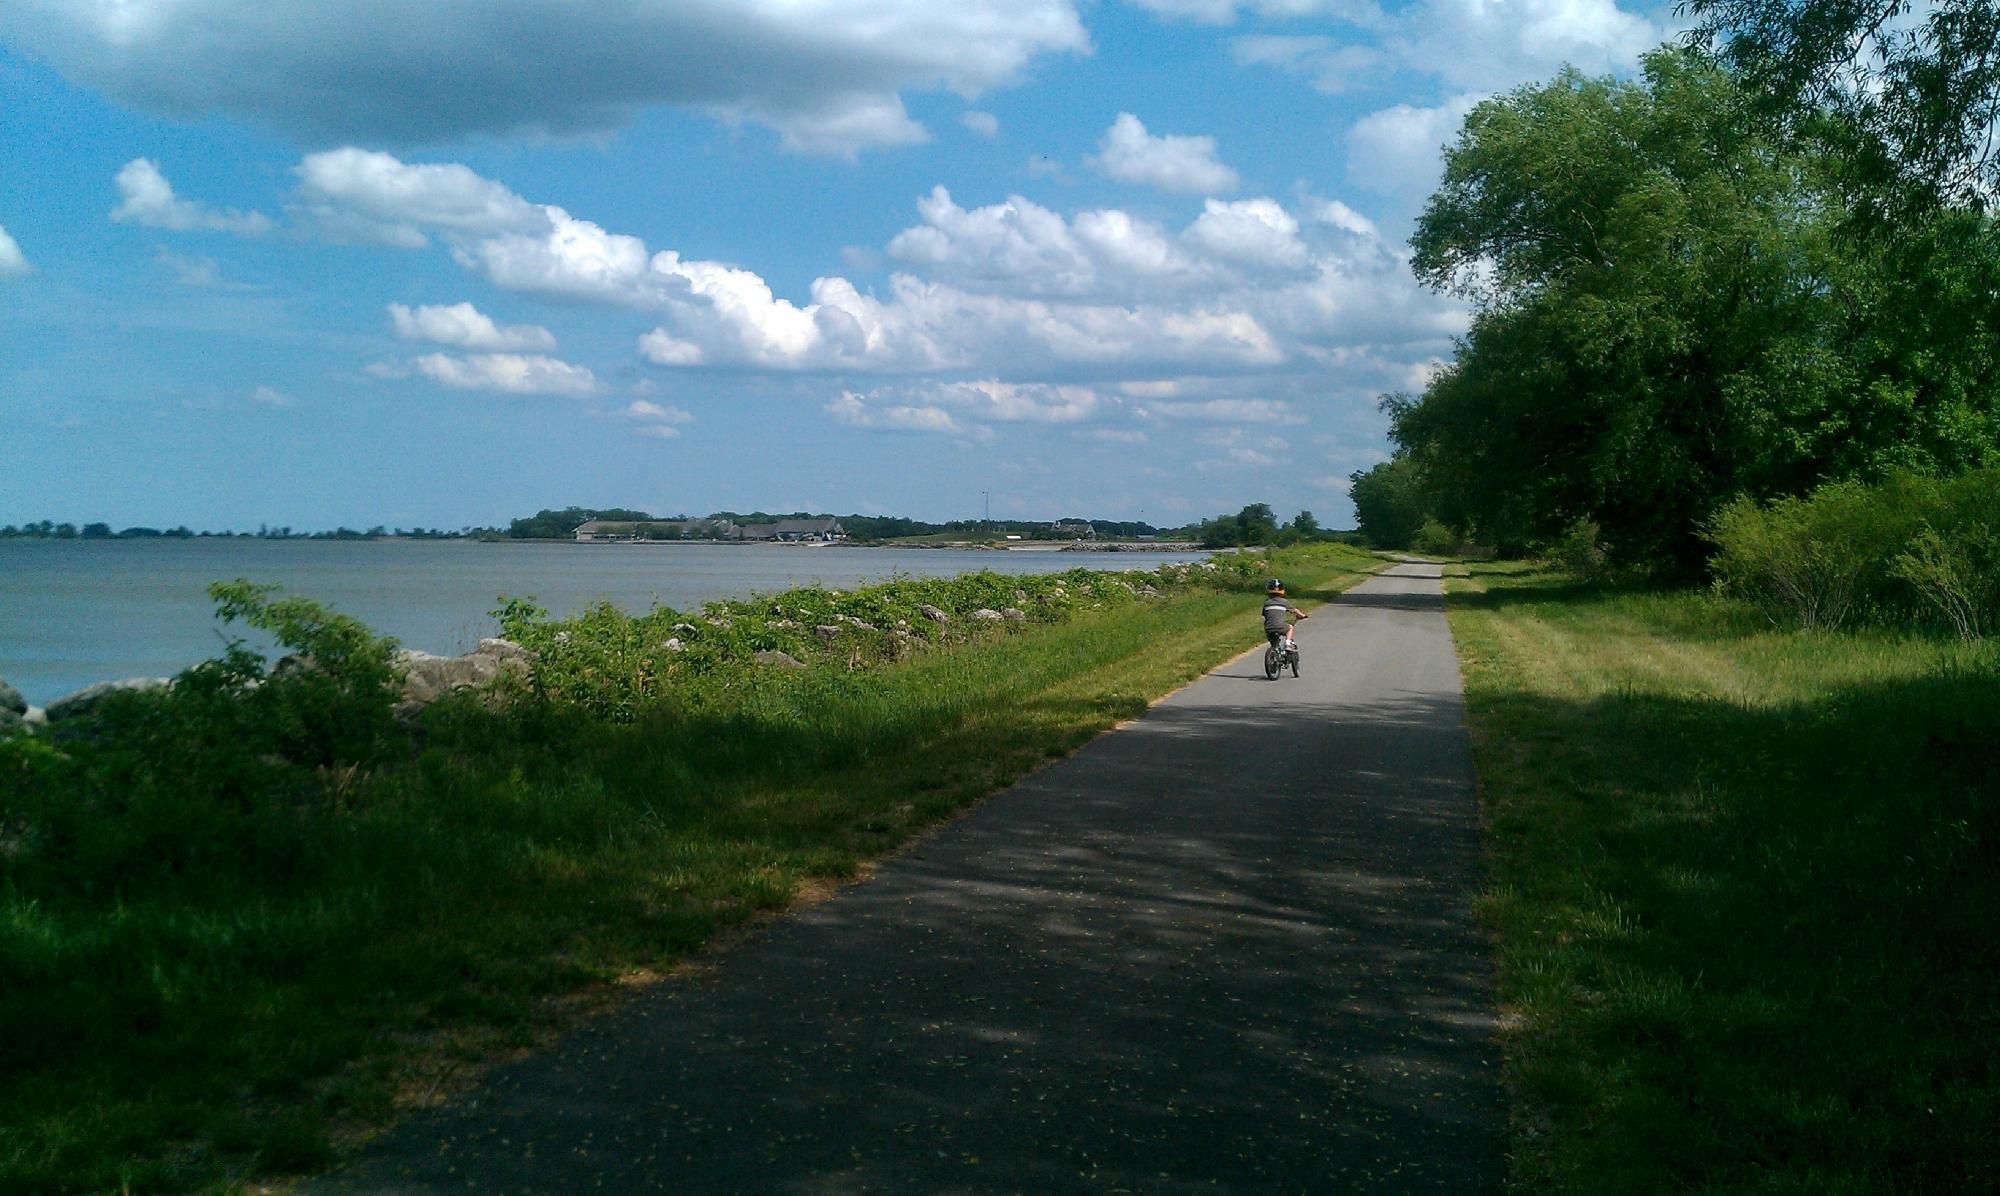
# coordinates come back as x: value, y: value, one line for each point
x: 403, y: 263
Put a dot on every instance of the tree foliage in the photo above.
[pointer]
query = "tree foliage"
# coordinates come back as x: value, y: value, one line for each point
x: 1390, y: 502
x: 1667, y: 317
x: 1905, y: 96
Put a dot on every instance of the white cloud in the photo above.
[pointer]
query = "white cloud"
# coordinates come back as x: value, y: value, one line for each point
x: 856, y: 411
x: 508, y: 373
x: 649, y: 412
x: 828, y: 75
x: 12, y: 263
x: 1009, y: 289
x: 1172, y: 163
x: 1342, y: 217
x: 658, y: 431
x: 146, y: 198
x: 965, y: 408
x: 1493, y: 44
x: 1005, y: 243
x: 1331, y: 66
x: 1113, y: 435
x: 360, y: 195
x: 1400, y: 150
x: 189, y: 271
x: 983, y: 123
x: 266, y: 396
x: 1225, y: 411
x: 1253, y: 232
x: 465, y: 326
x: 1483, y: 45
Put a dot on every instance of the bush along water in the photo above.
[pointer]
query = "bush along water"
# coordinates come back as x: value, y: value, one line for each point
x: 613, y: 665
x: 1912, y: 549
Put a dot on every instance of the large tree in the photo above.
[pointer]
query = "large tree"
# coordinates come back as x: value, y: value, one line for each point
x: 1667, y: 316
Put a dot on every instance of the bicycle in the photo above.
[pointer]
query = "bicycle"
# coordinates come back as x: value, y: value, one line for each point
x: 1280, y: 654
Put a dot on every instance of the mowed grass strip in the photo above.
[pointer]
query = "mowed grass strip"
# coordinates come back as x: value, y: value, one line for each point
x: 1745, y: 883
x: 255, y: 1016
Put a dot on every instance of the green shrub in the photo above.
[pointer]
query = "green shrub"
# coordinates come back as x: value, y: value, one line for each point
x: 1952, y: 565
x: 613, y: 665
x: 1912, y: 549
x: 1580, y: 552
x: 1434, y: 539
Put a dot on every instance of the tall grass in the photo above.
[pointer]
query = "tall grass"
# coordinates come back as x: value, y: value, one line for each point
x: 1744, y: 881
x: 293, y: 970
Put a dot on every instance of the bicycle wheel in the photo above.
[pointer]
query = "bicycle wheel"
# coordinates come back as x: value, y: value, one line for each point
x: 1295, y: 664
x: 1272, y: 658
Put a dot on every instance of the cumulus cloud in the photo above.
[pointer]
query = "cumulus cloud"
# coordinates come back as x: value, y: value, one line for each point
x: 270, y: 396
x: 983, y: 123
x: 508, y: 373
x: 1400, y: 150
x: 855, y: 410
x: 12, y: 263
x: 965, y: 408
x: 1254, y: 232
x: 146, y: 198
x: 655, y: 419
x: 828, y: 76
x: 1128, y: 153
x: 465, y: 326
x: 361, y: 195
x: 1012, y: 289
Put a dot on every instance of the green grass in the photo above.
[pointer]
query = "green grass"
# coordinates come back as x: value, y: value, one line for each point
x: 254, y: 1011
x: 1744, y: 883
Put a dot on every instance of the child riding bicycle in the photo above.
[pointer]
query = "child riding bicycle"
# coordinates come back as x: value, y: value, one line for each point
x: 1279, y: 615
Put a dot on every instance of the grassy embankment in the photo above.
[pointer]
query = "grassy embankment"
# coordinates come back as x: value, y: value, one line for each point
x: 204, y: 987
x: 1745, y: 883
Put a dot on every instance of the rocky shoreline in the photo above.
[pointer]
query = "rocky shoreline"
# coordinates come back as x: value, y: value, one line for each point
x: 426, y: 678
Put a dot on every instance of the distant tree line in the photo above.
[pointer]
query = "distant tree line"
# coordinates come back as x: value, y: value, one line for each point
x: 50, y: 530
x: 1257, y: 526
x: 561, y: 524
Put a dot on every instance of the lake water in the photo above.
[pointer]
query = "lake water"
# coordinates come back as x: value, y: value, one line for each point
x: 75, y: 612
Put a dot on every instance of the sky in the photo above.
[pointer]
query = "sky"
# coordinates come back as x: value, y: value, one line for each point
x: 446, y: 263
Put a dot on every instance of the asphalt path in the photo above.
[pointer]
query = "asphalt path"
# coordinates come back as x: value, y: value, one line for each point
x: 1227, y: 947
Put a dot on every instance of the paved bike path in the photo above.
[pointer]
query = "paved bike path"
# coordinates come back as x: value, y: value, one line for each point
x: 1227, y: 947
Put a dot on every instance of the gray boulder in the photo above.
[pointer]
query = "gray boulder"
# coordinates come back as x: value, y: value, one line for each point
x: 934, y: 614
x: 987, y: 615
x: 36, y: 717
x: 783, y: 660
x: 1013, y: 614
x: 11, y: 699
x: 10, y: 722
x: 84, y: 700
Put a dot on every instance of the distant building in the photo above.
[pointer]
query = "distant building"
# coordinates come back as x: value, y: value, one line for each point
x: 1081, y: 528
x: 826, y: 528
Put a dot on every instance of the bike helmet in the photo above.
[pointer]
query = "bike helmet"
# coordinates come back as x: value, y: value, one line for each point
x: 1274, y: 587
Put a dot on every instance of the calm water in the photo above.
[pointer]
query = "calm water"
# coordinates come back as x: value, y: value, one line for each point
x: 72, y: 613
